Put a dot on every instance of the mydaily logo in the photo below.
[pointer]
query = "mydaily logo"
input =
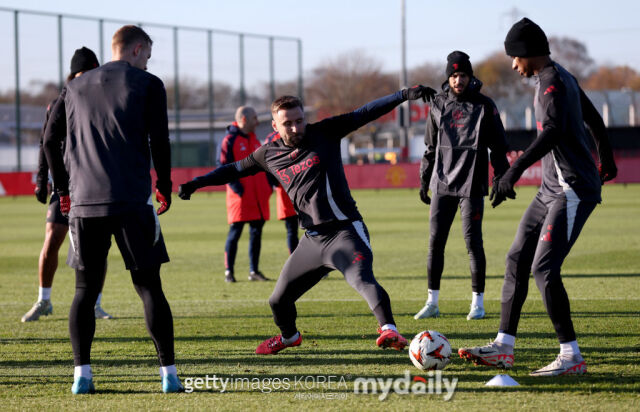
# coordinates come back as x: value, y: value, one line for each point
x: 418, y: 385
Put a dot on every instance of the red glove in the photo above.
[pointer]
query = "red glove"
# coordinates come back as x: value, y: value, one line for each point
x: 165, y: 202
x: 65, y: 205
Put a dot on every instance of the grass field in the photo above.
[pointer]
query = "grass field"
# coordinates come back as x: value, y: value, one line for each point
x: 218, y: 325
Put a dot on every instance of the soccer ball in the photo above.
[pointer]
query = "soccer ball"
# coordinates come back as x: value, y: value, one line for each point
x: 430, y: 350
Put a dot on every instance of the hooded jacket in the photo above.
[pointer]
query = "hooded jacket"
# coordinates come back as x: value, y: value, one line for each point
x: 459, y: 131
x: 247, y: 197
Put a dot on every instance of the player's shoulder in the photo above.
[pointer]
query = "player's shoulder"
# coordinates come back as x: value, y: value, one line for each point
x: 552, y: 82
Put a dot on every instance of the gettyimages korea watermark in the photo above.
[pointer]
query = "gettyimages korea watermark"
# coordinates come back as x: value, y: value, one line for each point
x: 328, y: 387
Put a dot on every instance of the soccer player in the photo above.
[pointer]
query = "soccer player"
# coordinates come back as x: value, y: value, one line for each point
x: 285, y: 208
x: 307, y: 163
x: 57, y: 225
x: 247, y: 197
x: 570, y: 190
x: 462, y: 125
x: 115, y: 120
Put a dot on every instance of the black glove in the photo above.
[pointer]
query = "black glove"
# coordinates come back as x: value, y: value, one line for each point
x: 503, y: 188
x: 607, y: 172
x: 424, y: 196
x: 186, y: 189
x: 419, y: 92
x: 42, y: 191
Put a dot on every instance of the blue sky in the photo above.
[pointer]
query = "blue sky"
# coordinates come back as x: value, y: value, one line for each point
x: 610, y: 30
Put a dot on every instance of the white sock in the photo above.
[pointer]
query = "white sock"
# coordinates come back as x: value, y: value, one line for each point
x: 82, y: 371
x: 388, y: 326
x: 289, y: 341
x: 505, y: 339
x: 570, y: 348
x: 44, y: 293
x: 477, y: 299
x: 433, y: 296
x: 99, y: 299
x: 168, y: 370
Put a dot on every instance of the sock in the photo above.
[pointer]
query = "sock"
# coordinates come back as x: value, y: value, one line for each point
x: 168, y: 370
x: 99, y: 299
x: 289, y: 341
x: 570, y: 348
x: 433, y: 296
x: 44, y: 293
x: 505, y: 339
x: 388, y: 326
x: 82, y: 371
x: 477, y: 299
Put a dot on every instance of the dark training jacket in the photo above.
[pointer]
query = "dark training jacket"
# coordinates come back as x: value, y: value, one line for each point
x: 459, y: 131
x: 115, y: 121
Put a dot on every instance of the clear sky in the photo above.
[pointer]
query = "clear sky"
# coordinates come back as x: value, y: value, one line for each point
x: 610, y: 29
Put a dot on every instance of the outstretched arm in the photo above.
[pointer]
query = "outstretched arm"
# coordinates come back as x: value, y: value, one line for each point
x: 224, y: 174
x: 339, y: 126
x: 592, y: 118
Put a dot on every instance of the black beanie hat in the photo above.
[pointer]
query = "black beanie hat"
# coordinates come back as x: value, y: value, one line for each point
x: 458, y: 61
x: 526, y: 39
x: 83, y: 59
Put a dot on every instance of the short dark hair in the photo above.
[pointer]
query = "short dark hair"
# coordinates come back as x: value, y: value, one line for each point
x: 128, y: 35
x: 286, y: 103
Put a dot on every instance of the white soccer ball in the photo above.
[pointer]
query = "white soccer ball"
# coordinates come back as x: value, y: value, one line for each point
x: 430, y: 350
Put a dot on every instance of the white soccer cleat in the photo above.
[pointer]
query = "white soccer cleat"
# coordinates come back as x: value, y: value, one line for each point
x: 493, y: 354
x: 100, y: 313
x: 476, y: 312
x: 563, y: 365
x: 428, y: 311
x: 40, y: 308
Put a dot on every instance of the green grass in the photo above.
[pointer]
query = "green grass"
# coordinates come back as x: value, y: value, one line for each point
x: 218, y: 325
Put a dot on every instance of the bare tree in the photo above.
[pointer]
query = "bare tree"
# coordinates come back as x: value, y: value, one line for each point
x: 572, y: 55
x: 498, y: 78
x: 613, y: 78
x: 346, y: 82
x: 428, y: 74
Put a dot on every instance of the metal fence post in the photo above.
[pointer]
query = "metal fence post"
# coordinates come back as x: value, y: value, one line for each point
x: 101, y: 39
x: 272, y: 76
x: 176, y: 102
x: 17, y: 99
x: 243, y: 96
x: 60, y: 64
x: 212, y: 147
x: 300, y: 85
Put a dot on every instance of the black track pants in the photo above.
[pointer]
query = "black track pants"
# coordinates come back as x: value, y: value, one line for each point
x: 548, y: 229
x: 345, y: 248
x: 442, y: 212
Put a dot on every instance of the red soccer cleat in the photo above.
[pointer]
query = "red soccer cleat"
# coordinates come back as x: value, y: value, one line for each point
x: 391, y: 339
x: 274, y: 345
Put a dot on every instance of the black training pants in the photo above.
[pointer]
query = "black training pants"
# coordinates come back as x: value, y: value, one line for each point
x: 441, y: 213
x: 548, y: 229
x: 344, y: 247
x: 140, y: 242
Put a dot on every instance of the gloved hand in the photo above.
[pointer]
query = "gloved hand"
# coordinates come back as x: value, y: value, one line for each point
x: 65, y: 205
x: 186, y: 189
x: 42, y: 191
x: 419, y: 92
x: 164, y: 200
x: 503, y: 188
x: 424, y: 196
x: 607, y: 172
